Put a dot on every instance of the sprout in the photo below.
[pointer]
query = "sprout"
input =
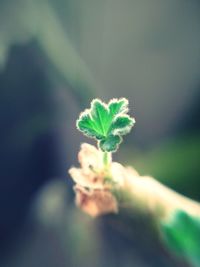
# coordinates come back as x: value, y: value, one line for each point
x: 106, y: 123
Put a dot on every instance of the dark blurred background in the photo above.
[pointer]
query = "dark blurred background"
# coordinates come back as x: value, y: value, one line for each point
x: 55, y: 57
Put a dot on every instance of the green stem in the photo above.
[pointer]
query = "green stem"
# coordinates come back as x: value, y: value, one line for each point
x: 106, y: 160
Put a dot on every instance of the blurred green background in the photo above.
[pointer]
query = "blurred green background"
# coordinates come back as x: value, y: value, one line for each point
x: 55, y: 57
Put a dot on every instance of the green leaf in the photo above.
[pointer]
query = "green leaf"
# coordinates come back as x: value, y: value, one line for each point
x: 118, y: 106
x: 111, y: 143
x: 122, y: 125
x: 106, y: 122
x: 88, y: 126
x: 99, y: 114
x: 182, y: 236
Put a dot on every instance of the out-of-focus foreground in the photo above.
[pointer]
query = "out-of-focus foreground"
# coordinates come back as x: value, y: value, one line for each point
x: 55, y: 56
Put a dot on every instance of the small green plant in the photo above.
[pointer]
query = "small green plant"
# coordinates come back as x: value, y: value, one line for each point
x: 106, y: 123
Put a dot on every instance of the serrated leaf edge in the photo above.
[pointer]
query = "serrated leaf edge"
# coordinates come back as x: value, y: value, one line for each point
x: 132, y: 121
x: 82, y: 114
x: 117, y: 100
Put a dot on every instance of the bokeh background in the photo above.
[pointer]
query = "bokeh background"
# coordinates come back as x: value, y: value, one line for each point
x: 55, y: 57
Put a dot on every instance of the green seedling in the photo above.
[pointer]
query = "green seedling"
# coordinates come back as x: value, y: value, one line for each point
x: 106, y: 123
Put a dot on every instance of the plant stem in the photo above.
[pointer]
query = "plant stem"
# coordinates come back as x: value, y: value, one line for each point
x: 106, y: 160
